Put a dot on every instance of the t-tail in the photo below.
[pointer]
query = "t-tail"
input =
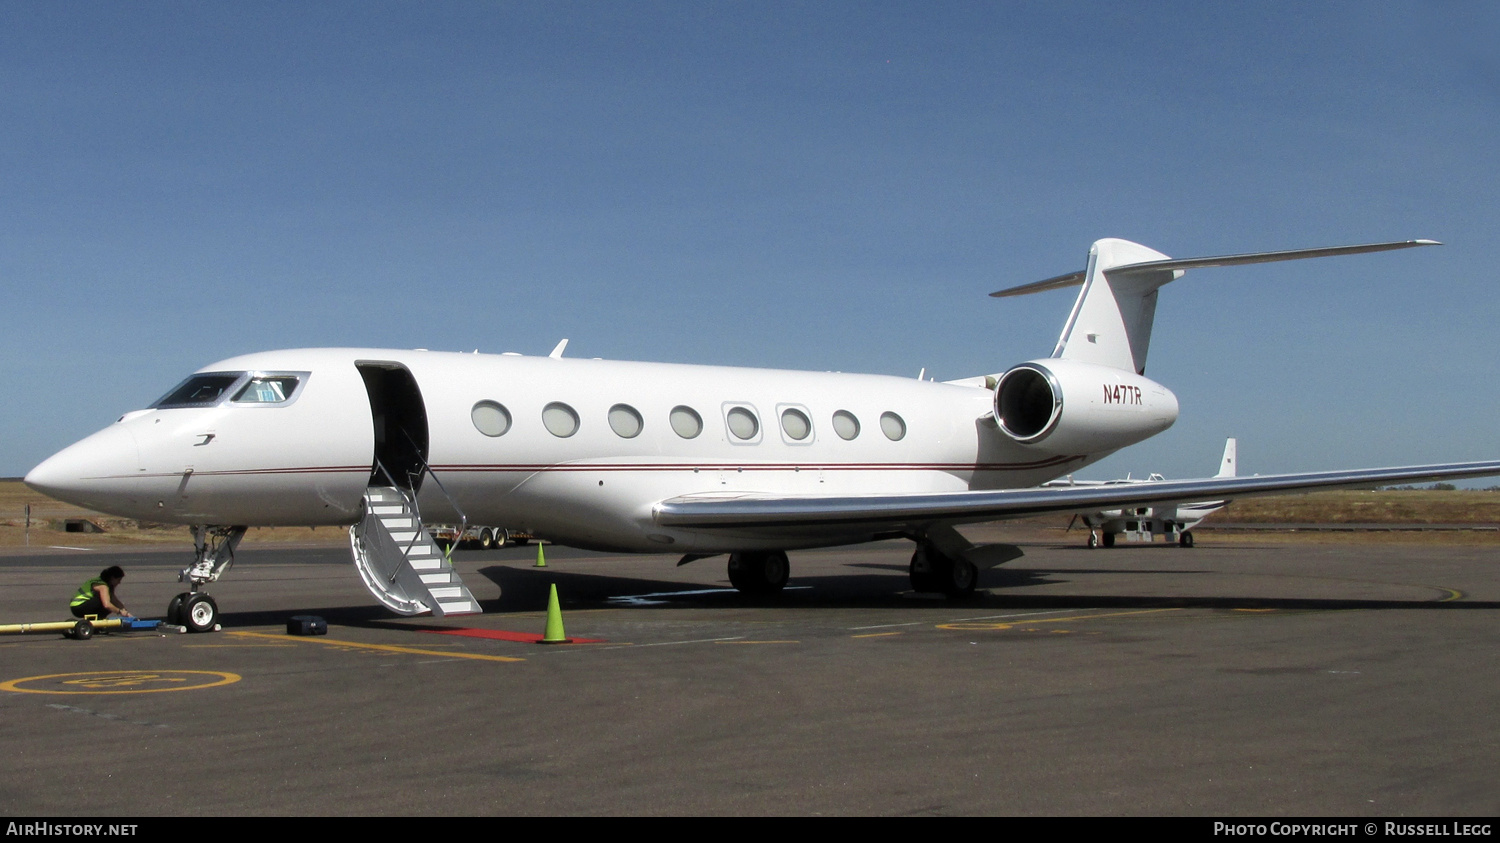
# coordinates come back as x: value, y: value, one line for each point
x: 1111, y: 320
x: 1091, y: 396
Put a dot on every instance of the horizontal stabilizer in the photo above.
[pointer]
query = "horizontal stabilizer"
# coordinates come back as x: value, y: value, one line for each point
x: 1073, y: 279
x: 910, y: 512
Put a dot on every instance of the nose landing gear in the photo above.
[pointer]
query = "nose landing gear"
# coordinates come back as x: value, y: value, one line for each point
x: 214, y: 553
x: 196, y: 610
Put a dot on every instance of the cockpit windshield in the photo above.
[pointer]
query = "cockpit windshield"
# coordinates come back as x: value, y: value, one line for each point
x: 199, y: 390
x: 269, y: 389
x: 246, y: 388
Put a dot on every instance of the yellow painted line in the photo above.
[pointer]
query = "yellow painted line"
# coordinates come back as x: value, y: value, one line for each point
x: 123, y: 682
x: 977, y: 627
x: 384, y: 648
x: 1453, y: 593
x: 1254, y: 610
x: 877, y: 634
x: 757, y: 642
x: 237, y: 646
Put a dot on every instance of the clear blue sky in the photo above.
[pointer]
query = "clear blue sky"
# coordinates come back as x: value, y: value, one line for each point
x: 812, y: 185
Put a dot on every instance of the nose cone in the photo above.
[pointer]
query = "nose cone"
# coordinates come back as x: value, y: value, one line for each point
x: 97, y: 472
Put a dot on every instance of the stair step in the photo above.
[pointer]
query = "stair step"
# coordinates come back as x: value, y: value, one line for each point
x: 401, y: 564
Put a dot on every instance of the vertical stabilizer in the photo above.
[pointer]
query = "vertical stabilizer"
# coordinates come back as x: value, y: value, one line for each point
x: 1226, y: 468
x: 1111, y: 321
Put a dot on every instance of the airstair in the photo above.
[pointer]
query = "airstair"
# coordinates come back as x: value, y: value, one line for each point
x: 400, y: 563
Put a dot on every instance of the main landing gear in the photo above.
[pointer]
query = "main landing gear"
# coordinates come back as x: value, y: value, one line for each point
x: 214, y: 553
x: 759, y: 572
x: 933, y: 571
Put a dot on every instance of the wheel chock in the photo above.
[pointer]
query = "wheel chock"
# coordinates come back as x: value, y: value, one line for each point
x: 554, y: 633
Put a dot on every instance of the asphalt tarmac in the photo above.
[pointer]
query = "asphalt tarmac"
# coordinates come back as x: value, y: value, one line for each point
x: 1143, y: 680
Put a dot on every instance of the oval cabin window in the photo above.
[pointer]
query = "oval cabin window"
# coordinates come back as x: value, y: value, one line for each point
x: 892, y: 426
x: 490, y: 418
x: 625, y: 421
x: 560, y: 420
x: 742, y: 423
x: 845, y: 424
x: 795, y: 424
x: 686, y: 422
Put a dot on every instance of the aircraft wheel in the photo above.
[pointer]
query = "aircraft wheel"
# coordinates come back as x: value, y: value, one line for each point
x: 486, y: 539
x: 759, y: 573
x: 1186, y: 539
x: 1108, y: 539
x: 1093, y: 539
x: 923, y: 577
x: 200, y: 613
x: 962, y: 578
x: 174, y: 609
x: 502, y: 538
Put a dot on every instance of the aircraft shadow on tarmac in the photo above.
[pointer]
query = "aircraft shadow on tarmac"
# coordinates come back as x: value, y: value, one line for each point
x: 525, y: 590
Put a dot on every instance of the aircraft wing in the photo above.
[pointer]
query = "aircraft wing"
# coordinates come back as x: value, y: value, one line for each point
x: 751, y: 510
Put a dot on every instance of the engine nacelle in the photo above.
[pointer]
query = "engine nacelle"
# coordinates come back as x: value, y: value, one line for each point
x: 1071, y: 407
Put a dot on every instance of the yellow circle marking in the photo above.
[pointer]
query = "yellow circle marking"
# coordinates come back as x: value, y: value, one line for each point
x: 121, y: 682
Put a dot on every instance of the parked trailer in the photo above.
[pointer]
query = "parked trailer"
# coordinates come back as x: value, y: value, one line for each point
x: 480, y: 536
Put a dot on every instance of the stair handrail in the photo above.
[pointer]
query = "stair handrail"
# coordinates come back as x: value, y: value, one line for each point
x: 411, y: 504
x: 463, y: 520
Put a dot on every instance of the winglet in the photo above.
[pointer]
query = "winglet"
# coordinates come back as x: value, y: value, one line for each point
x: 557, y: 352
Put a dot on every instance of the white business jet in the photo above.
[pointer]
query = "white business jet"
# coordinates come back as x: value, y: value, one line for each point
x: 1174, y: 521
x: 656, y: 458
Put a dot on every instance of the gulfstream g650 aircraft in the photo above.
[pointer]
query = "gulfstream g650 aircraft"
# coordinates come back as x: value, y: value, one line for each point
x: 656, y: 458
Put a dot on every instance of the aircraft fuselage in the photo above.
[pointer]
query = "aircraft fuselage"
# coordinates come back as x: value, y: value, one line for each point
x: 587, y: 446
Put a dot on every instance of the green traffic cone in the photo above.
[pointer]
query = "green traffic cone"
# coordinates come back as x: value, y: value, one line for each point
x: 541, y: 558
x: 554, y: 633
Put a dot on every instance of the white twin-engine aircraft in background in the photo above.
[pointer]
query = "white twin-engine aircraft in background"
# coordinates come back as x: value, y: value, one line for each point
x: 1173, y: 521
x: 657, y: 458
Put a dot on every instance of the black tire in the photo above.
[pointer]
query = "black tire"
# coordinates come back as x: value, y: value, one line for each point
x: 81, y: 631
x: 1186, y: 539
x: 1108, y: 539
x: 200, y: 613
x: 923, y: 578
x: 502, y: 538
x: 486, y: 539
x: 962, y: 578
x: 776, y: 570
x: 174, y: 608
x: 759, y: 573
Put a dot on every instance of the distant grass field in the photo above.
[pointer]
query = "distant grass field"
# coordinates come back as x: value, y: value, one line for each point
x: 48, y: 517
x: 1384, y: 507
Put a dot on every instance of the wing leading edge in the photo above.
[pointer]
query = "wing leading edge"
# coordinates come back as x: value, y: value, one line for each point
x: 750, y: 511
